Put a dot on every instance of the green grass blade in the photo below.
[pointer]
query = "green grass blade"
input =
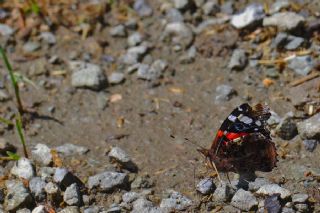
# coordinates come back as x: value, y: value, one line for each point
x: 5, y: 121
x: 21, y: 136
x: 13, y: 156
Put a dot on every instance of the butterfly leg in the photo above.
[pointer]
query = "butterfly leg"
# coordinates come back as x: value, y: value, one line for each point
x: 213, y: 166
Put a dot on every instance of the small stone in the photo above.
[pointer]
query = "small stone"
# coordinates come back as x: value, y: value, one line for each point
x: 6, y: 146
x: 152, y: 72
x: 70, y: 209
x: 190, y: 56
x: 272, y: 203
x: 23, y: 168
x: 107, y: 181
x: 174, y: 15
x: 286, y: 21
x: 142, y: 8
x: 142, y: 181
x: 118, y: 31
x: 129, y: 197
x: 17, y: 196
x: 65, y: 178
x: 116, y: 78
x: 131, y: 24
x: 175, y: 201
x: 41, y: 153
x: 39, y: 209
x: 272, y: 72
x: 51, y: 188
x: 143, y: 205
x: 302, y: 65
x: 134, y: 39
x: 181, y: 4
x: 38, y: 67
x: 244, y: 200
x: 294, y: 42
x: 224, y: 93
x: 211, y: 7
x: 205, y: 186
x: 69, y: 149
x: 72, y: 195
x: 6, y: 30
x: 223, y: 192
x: 250, y: 16
x: 289, y: 42
x: 86, y: 75
x: 4, y: 95
x: 227, y: 7
x: 287, y: 210
x: 310, y: 128
x: 36, y: 186
x: 48, y: 37
x: 310, y: 145
x: 258, y: 182
x: 287, y: 128
x: 179, y: 33
x: 271, y: 189
x: 302, y: 207
x: 300, y: 198
x: 114, y: 209
x: 278, y: 5
x: 46, y: 173
x: 24, y: 210
x: 31, y: 46
x: 238, y: 60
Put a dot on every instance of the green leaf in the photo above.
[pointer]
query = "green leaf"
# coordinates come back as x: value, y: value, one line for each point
x: 13, y: 156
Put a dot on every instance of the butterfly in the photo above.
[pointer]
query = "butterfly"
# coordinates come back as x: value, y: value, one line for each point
x: 243, y: 142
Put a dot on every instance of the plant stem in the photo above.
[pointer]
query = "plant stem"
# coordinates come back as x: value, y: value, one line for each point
x: 20, y: 133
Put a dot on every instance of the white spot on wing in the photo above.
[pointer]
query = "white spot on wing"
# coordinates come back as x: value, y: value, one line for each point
x: 258, y: 123
x: 232, y: 118
x: 246, y: 120
x: 240, y: 109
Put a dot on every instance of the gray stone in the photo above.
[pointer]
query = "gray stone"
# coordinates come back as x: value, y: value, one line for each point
x: 92, y: 209
x: 48, y: 37
x: 133, y: 55
x: 176, y: 201
x: 302, y: 65
x: 289, y: 42
x: 46, y: 172
x: 190, y: 56
x: 39, y: 209
x: 310, y: 145
x: 4, y: 95
x: 142, y: 181
x: 86, y: 75
x: 116, y: 78
x: 129, y: 197
x: 145, y: 206
x: 224, y: 93
x: 6, y: 30
x: 24, y: 210
x: 65, y: 178
x: 205, y: 186
x: 23, y: 168
x: 294, y: 42
x: 38, y: 67
x: 223, y: 192
x: 211, y: 7
x: 107, y: 181
x: 287, y: 210
x: 17, y: 196
x: 278, y: 5
x: 118, y: 31
x: 287, y: 128
x: 310, y: 128
x: 179, y: 33
x: 36, y: 186
x: 131, y: 24
x: 72, y: 195
x: 174, y: 15
x: 258, y: 182
x: 70, y: 209
x: 244, y: 200
x: 52, y: 188
x: 250, y: 16
x: 272, y: 203
x: 302, y: 207
x: 142, y: 8
x: 227, y: 7
x: 238, y: 60
x: 41, y: 153
x: 181, y: 4
x: 152, y: 72
x: 114, y: 209
x: 69, y: 149
x: 134, y: 39
x: 286, y: 21
x: 300, y: 198
x: 31, y: 46
x: 271, y: 189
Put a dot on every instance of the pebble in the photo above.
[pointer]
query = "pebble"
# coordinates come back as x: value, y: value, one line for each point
x: 72, y: 195
x: 41, y: 153
x: 48, y: 37
x: 190, y: 56
x: 227, y: 7
x: 17, y: 196
x: 31, y: 46
x: 179, y: 33
x: 289, y: 42
x: 38, y: 67
x: 302, y: 207
x: 279, y: 5
x: 134, y: 39
x: 142, y: 181
x: 116, y: 78
x: 36, y: 186
x: 244, y: 200
x: 250, y: 16
x: 24, y: 210
x: 174, y: 15
x: 129, y: 197
x: 238, y: 60
x: 300, y: 198
x: 287, y: 128
x: 143, y: 205
x: 152, y: 72
x: 310, y: 145
x: 46, y: 172
x: 52, y: 188
x: 175, y: 201
x: 4, y: 95
x: 272, y: 203
x: 107, y: 181
x: 310, y: 128
x: 181, y: 4
x: 271, y: 189
x: 23, y: 168
x: 142, y: 8
x: 69, y: 149
x: 70, y: 209
x: 39, y: 209
x: 205, y: 186
x: 92, y: 209
x: 287, y: 210
x: 302, y: 65
x: 122, y: 157
x: 118, y: 31
x: 134, y: 55
x: 114, y: 209
x: 285, y: 21
x: 223, y: 192
x: 86, y: 75
x: 65, y: 178
x: 257, y: 183
x: 211, y: 7
x: 6, y: 30
x: 224, y: 93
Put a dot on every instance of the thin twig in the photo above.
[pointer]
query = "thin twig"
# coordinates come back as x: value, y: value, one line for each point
x: 304, y: 79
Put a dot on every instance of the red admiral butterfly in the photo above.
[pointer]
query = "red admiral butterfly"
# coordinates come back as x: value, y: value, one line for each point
x: 243, y: 143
